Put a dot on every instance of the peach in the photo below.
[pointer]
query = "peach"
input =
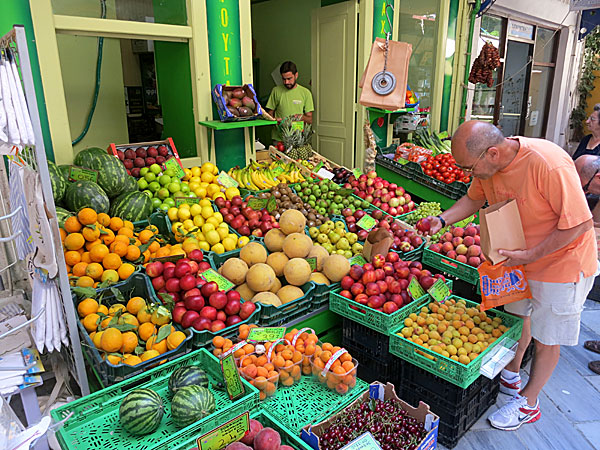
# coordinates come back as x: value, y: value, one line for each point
x: 474, y: 261
x: 468, y: 240
x: 474, y: 250
x: 458, y: 232
x: 462, y: 259
x: 267, y: 439
x: 462, y: 249
x: 457, y: 241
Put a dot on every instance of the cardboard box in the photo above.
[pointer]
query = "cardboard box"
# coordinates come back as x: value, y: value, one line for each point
x: 378, y: 242
x: 168, y: 143
x: 311, y: 433
x: 227, y: 116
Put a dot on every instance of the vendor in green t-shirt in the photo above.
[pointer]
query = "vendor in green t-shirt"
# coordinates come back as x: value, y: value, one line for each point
x: 291, y: 99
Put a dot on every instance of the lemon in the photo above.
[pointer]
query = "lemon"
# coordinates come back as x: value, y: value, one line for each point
x: 194, y: 185
x: 198, y: 221
x: 110, y: 275
x: 223, y: 233
x: 200, y: 192
x: 175, y: 226
x: 218, y: 195
x: 188, y: 224
x: 204, y: 184
x: 183, y: 214
x: 207, y: 227
x: 207, y: 211
x: 196, y: 210
x: 208, y: 167
x: 200, y: 236
x: 204, y: 246
x: 205, y: 202
x: 212, y: 189
x: 184, y: 206
x: 218, y: 248
x: 229, y: 243
x: 212, y: 237
x: 188, y: 174
x: 208, y: 177
x: 233, y: 236
x: 231, y: 192
x: 243, y: 240
x: 172, y: 213
x: 218, y: 216
x: 196, y: 171
x: 196, y: 179
x: 213, y: 221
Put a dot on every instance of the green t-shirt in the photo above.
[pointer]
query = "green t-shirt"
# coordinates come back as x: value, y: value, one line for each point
x: 288, y: 102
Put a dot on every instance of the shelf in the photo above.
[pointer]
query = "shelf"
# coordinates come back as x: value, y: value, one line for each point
x: 218, y: 125
x: 385, y: 111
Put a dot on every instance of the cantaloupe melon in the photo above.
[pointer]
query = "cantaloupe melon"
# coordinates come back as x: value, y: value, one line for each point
x: 319, y: 278
x: 266, y: 298
x: 289, y: 293
x: 320, y: 253
x: 260, y: 277
x: 336, y: 267
x: 274, y: 240
x: 253, y: 253
x: 297, y: 271
x: 297, y: 245
x: 277, y: 262
x: 292, y: 221
x: 235, y: 269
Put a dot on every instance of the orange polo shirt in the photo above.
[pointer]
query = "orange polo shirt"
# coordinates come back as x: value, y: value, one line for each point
x: 544, y: 181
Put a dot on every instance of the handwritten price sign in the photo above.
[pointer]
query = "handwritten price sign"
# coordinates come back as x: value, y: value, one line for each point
x: 227, y: 433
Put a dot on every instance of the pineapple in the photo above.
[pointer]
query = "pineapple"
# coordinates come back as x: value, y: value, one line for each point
x: 296, y: 141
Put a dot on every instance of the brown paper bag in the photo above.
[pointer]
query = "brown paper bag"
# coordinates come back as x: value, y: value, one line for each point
x: 501, y: 228
x: 378, y: 242
x: 397, y: 63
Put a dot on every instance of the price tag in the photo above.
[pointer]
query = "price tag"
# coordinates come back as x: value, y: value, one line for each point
x: 366, y: 222
x: 298, y: 125
x: 226, y: 180
x: 189, y: 200
x: 225, y: 434
x: 358, y: 259
x: 324, y: 173
x: 269, y: 334
x: 401, y: 161
x: 312, y: 262
x: 172, y: 163
x: 234, y: 384
x: 415, y: 290
x: 271, y: 204
x: 257, y: 203
x: 357, y: 173
x: 318, y: 166
x: 81, y: 173
x: 277, y: 171
x: 344, y: 192
x: 223, y: 283
x: 439, y: 291
x: 363, y: 442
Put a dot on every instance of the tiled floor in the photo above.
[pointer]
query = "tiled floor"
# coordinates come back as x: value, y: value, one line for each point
x: 570, y: 404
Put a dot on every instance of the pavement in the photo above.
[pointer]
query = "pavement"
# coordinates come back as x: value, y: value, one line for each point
x: 570, y: 403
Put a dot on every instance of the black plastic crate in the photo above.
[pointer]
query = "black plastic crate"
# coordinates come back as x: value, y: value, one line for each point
x: 366, y: 340
x: 370, y: 369
x: 528, y: 356
x: 595, y: 292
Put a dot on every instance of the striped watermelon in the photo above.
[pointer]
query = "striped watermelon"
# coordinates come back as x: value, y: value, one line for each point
x: 112, y: 175
x: 82, y: 194
x: 187, y: 376
x: 61, y: 215
x: 133, y: 206
x: 64, y: 170
x: 141, y: 411
x: 191, y: 404
x: 131, y: 185
x: 59, y: 184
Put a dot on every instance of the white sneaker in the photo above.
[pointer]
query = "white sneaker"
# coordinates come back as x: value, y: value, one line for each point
x: 511, y: 388
x: 514, y: 414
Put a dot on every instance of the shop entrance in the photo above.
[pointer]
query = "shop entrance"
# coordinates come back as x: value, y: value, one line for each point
x: 321, y: 41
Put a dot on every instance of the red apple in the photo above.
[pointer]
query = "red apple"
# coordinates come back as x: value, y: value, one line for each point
x: 378, y: 261
x: 154, y: 269
x: 247, y: 309
x: 158, y: 283
x: 221, y: 316
x: 187, y: 282
x: 347, y: 282
x: 346, y: 293
x: 194, y: 302
x: 233, y: 307
x: 233, y: 320
x: 182, y: 269
x: 218, y: 300
x: 209, y: 312
x: 357, y: 288
x: 188, y: 318
x: 390, y: 307
x: 356, y: 272
x: 363, y: 299
x: 217, y: 325
x: 203, y: 265
x: 209, y: 289
x: 178, y: 313
x: 172, y: 285
x: 201, y: 324
x: 372, y: 289
x: 169, y: 272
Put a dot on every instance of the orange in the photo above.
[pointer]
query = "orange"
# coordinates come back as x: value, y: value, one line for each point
x: 218, y: 341
x: 98, y: 252
x: 87, y: 306
x: 85, y: 281
x: 130, y: 342
x: 74, y: 241
x: 160, y: 347
x: 133, y: 360
x: 87, y: 216
x: 103, y: 219
x: 162, y: 251
x: 114, y: 359
x: 72, y: 257
x: 129, y: 319
x: 116, y: 308
x: 110, y: 275
x: 90, y: 322
x: 125, y: 271
x: 112, y: 261
x: 119, y: 248
x: 133, y: 253
x: 125, y: 232
x: 146, y: 330
x: 63, y: 234
x: 122, y: 238
x: 128, y: 224
x: 112, y: 340
x: 147, y: 256
x: 116, y: 223
x: 135, y: 304
x: 96, y: 339
x: 149, y: 354
x: 145, y: 236
x: 72, y: 225
x: 85, y: 257
x: 154, y: 247
x: 175, y: 339
x: 102, y: 309
x: 144, y: 315
x: 91, y: 233
x: 90, y: 244
x: 107, y: 236
x: 94, y: 270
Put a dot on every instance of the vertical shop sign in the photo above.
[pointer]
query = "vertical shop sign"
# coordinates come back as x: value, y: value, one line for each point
x: 380, y: 23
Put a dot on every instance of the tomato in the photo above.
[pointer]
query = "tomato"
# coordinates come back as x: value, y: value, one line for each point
x: 440, y: 178
x: 466, y: 179
x: 429, y: 172
x: 437, y: 165
x: 443, y: 169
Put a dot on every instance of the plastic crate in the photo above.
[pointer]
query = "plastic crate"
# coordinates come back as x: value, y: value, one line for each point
x: 446, y: 368
x: 413, y: 171
x: 271, y: 315
x: 95, y: 418
x: 366, y: 340
x: 386, y: 369
x: 308, y: 402
x: 137, y: 285
x: 321, y: 294
x: 457, y: 408
x: 371, y: 318
x: 267, y: 420
x: 451, y: 266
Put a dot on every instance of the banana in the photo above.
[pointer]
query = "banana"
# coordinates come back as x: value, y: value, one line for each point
x: 257, y: 180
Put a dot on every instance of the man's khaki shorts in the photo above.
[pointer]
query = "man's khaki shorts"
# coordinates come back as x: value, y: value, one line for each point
x: 555, y: 310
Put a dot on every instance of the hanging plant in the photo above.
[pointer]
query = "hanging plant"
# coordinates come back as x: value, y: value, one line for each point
x: 591, y: 63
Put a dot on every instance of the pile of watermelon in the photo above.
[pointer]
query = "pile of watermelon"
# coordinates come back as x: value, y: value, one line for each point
x: 116, y: 193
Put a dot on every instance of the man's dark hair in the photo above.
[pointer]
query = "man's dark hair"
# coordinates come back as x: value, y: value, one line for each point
x: 288, y: 66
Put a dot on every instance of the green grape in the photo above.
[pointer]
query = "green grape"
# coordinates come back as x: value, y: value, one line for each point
x: 425, y: 209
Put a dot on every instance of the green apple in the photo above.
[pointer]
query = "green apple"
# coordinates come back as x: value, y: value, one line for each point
x: 343, y: 244
x: 340, y: 225
x: 178, y: 194
x: 164, y: 207
x: 170, y: 172
x: 155, y: 169
x: 164, y: 180
x: 348, y: 254
x: 149, y: 177
x: 163, y: 193
x: 154, y: 186
x: 357, y: 248
x: 174, y: 187
x: 313, y: 232
x: 144, y: 171
x: 333, y: 237
x: 185, y: 188
x: 148, y: 193
x: 156, y: 202
x: 142, y: 184
x: 352, y: 238
x: 169, y: 201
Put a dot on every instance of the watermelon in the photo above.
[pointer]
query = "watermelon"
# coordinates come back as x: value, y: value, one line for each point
x: 133, y: 206
x: 59, y: 184
x: 191, y: 404
x: 64, y: 170
x: 82, y: 194
x: 112, y: 175
x: 61, y: 215
x: 141, y: 411
x: 131, y: 185
x: 187, y: 376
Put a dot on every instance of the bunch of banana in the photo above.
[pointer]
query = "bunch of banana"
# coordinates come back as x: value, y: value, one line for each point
x: 258, y: 176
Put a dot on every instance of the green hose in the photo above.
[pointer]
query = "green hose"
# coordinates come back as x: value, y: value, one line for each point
x: 88, y: 122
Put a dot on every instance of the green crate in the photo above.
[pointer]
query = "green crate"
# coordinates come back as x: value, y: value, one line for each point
x: 95, y: 422
x: 321, y: 294
x: 137, y: 285
x: 369, y: 317
x: 446, y: 368
x: 267, y: 420
x: 161, y: 221
x: 309, y: 401
x: 271, y: 315
x: 451, y: 266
